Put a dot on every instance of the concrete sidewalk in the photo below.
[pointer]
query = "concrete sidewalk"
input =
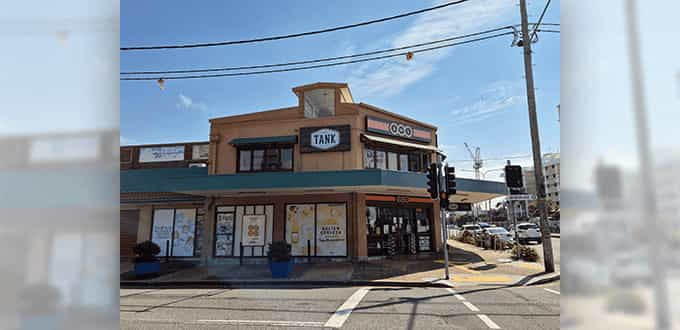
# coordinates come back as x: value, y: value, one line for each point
x: 469, y: 265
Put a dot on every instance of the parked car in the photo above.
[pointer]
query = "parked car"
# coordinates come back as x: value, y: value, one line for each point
x: 473, y: 229
x: 527, y: 232
x: 484, y: 225
x: 500, y: 233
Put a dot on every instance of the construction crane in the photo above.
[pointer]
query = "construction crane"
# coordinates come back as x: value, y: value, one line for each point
x: 476, y: 159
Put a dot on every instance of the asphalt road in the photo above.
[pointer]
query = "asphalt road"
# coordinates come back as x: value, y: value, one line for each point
x: 470, y: 307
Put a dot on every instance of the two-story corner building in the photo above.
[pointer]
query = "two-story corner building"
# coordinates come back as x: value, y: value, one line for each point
x: 336, y: 179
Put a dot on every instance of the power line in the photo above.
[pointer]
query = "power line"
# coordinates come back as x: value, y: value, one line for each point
x: 316, y: 60
x: 540, y: 19
x: 262, y: 66
x: 320, y: 65
x: 295, y: 35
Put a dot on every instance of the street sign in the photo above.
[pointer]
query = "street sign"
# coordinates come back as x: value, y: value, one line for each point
x: 521, y: 197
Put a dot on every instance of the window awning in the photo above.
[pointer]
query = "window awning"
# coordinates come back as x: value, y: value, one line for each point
x: 262, y: 140
x: 380, y: 139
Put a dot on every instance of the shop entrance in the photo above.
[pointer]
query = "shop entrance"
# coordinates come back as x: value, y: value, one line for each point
x: 398, y: 230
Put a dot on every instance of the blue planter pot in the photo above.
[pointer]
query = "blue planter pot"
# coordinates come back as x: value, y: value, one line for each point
x: 147, y: 267
x: 280, y: 269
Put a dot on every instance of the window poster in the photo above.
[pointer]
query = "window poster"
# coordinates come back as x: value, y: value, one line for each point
x: 424, y: 243
x: 162, y: 228
x: 253, y: 230
x: 300, y: 228
x: 224, y: 234
x: 184, y: 235
x: 331, y: 230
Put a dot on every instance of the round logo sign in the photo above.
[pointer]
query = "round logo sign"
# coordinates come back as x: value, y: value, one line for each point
x: 401, y: 130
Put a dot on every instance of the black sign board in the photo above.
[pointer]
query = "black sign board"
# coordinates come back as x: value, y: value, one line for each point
x: 325, y: 138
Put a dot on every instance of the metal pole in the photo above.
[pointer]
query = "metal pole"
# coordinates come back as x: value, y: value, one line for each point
x: 441, y: 220
x: 446, y: 245
x: 663, y: 318
x: 535, y: 142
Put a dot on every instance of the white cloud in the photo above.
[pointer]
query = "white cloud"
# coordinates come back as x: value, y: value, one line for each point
x: 186, y: 102
x: 495, y: 98
x: 392, y: 77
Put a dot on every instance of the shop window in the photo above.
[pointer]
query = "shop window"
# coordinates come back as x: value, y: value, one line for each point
x: 403, y: 162
x: 272, y: 160
x: 426, y: 161
x: 392, y: 163
x: 414, y: 162
x: 245, y: 160
x: 317, y: 229
x: 287, y: 158
x: 369, y: 158
x: 174, y: 229
x: 258, y: 159
x: 275, y: 158
x: 380, y: 160
x: 250, y: 225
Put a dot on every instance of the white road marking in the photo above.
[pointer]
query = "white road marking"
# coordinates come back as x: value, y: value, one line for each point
x: 489, y: 323
x: 260, y: 322
x: 340, y: 316
x: 471, y: 306
x: 551, y: 291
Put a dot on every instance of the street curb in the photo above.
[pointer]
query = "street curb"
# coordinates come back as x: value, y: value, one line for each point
x: 537, y: 279
x: 235, y: 284
x: 544, y: 280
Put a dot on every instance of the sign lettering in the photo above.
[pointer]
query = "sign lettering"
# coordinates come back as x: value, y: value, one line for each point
x: 320, y: 139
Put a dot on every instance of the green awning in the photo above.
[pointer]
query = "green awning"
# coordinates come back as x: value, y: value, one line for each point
x: 263, y: 140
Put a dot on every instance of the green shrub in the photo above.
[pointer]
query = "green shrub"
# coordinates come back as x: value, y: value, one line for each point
x: 279, y: 251
x: 146, y: 251
x: 526, y: 253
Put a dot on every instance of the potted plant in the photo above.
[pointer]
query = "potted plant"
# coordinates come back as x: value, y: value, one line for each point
x: 146, y: 261
x: 280, y: 261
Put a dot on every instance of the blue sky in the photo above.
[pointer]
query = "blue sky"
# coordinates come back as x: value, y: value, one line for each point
x: 474, y: 93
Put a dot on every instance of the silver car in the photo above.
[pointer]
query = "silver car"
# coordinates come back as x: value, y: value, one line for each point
x: 501, y: 234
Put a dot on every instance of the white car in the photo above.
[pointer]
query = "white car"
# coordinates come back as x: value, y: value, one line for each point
x: 527, y: 232
x: 500, y: 233
x: 473, y: 229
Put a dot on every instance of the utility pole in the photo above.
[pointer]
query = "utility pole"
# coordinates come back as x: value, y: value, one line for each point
x: 663, y: 316
x: 535, y: 142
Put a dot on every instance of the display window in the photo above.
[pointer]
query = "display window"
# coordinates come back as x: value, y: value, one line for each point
x: 270, y: 158
x: 405, y: 161
x: 174, y: 230
x: 398, y: 230
x: 317, y: 229
x: 247, y: 225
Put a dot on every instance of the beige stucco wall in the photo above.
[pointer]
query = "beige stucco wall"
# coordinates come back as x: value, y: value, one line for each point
x: 288, y: 121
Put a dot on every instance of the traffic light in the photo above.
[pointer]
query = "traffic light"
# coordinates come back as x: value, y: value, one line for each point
x: 444, y: 200
x: 450, y: 179
x: 433, y: 181
x: 513, y: 176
